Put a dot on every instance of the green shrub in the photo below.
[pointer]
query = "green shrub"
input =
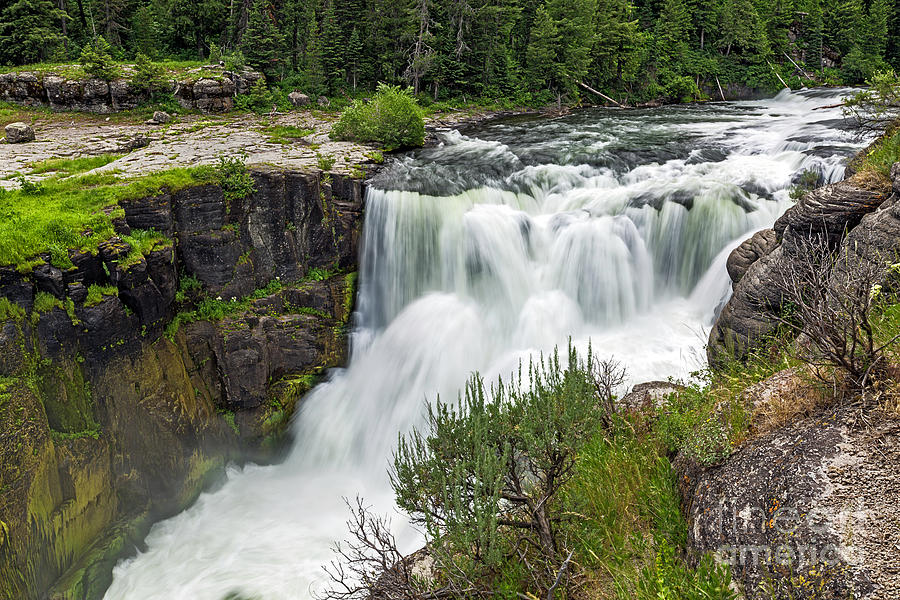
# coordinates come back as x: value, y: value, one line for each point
x: 215, y: 54
x: 392, y: 118
x: 97, y: 61
x: 235, y: 61
x: 259, y: 99
x: 148, y: 76
x: 234, y: 177
x: 31, y: 188
x: 325, y: 161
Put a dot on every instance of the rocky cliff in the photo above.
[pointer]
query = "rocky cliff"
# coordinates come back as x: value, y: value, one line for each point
x: 117, y: 407
x: 210, y: 90
x: 859, y: 214
x: 806, y: 507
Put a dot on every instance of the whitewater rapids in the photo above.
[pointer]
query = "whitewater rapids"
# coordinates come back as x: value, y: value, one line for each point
x: 608, y: 226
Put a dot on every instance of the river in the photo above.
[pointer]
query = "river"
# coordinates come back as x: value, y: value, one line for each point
x: 606, y: 226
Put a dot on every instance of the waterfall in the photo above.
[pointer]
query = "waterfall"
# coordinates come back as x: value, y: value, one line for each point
x: 607, y: 227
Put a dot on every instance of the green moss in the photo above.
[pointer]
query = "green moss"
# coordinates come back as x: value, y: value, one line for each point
x: 143, y: 242
x: 349, y: 293
x: 228, y: 417
x: 10, y: 310
x: 68, y: 213
x: 44, y: 302
x: 96, y: 293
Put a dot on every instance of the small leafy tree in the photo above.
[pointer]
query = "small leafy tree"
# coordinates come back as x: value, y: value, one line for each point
x: 392, y: 118
x: 148, y: 76
x: 877, y: 107
x: 482, y: 480
x: 259, y: 98
x: 97, y: 61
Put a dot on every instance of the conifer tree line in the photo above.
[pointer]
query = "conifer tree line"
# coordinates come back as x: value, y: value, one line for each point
x: 634, y: 49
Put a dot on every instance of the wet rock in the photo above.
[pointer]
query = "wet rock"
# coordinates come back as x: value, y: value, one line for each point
x: 49, y: 279
x: 18, y: 133
x: 299, y: 99
x: 807, y: 510
x: 77, y: 292
x: 895, y: 177
x: 759, y: 244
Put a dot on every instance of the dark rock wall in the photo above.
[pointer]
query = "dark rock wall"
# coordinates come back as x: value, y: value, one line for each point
x: 107, y: 424
x: 95, y: 95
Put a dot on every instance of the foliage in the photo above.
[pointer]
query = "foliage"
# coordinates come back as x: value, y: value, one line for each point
x: 28, y: 187
x: 877, y: 107
x: 882, y: 155
x: 148, y: 76
x: 490, y: 470
x: 483, y: 474
x: 286, y: 134
x: 392, y: 118
x: 97, y: 61
x: 259, y: 99
x: 235, y: 179
x: 523, y: 51
x: 325, y: 161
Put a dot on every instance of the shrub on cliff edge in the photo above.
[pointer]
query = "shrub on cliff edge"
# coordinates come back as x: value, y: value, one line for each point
x: 392, y: 118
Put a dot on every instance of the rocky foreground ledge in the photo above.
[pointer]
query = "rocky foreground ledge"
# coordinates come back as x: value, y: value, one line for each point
x: 120, y: 397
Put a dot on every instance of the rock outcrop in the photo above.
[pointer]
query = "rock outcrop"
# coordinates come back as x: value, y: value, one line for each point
x: 17, y: 133
x: 833, y: 212
x: 109, y: 424
x: 209, y: 90
x: 805, y: 510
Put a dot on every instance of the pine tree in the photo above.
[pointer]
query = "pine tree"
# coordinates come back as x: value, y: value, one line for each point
x: 541, y: 56
x: 29, y: 31
x: 331, y: 49
x: 315, y: 75
x: 814, y: 31
x: 574, y: 24
x: 354, y: 57
x: 261, y: 39
x: 741, y: 29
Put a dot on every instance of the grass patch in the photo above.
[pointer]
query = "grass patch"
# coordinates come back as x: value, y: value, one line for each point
x: 10, y: 310
x: 72, y: 166
x: 68, y: 213
x: 881, y: 155
x: 96, y: 294
x: 216, y: 309
x: 286, y: 134
x: 629, y: 532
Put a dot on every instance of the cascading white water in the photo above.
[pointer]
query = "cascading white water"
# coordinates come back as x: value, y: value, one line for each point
x: 606, y: 226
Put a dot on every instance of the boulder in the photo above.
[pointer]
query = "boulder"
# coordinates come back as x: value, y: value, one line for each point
x: 18, y: 132
x: 159, y: 117
x: 754, y: 267
x: 752, y: 249
x: 647, y: 397
x: 805, y: 511
x: 323, y: 101
x: 299, y: 98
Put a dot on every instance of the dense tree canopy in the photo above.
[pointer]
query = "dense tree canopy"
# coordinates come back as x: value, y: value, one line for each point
x: 483, y: 48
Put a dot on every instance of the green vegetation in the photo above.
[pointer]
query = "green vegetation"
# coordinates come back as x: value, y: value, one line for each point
x: 392, y: 118
x: 97, y: 62
x: 72, y: 166
x: 234, y: 177
x: 69, y: 213
x: 148, y: 76
x: 325, y: 161
x: 539, y: 488
x: 96, y: 294
x: 216, y: 309
x: 517, y: 51
x: 286, y: 134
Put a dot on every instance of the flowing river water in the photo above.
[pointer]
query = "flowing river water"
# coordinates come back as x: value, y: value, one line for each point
x: 605, y: 226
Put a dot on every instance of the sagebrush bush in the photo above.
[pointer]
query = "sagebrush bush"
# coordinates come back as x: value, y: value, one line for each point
x: 392, y: 118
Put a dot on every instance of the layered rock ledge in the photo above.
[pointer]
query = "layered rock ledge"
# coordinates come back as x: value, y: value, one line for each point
x: 117, y: 410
